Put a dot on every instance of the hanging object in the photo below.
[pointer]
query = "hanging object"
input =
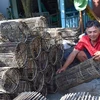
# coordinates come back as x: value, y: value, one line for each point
x: 91, y: 14
x: 80, y: 5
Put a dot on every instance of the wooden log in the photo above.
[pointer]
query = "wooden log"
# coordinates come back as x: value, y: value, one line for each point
x: 83, y: 72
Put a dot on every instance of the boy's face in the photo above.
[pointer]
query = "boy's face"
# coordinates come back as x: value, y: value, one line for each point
x: 93, y: 33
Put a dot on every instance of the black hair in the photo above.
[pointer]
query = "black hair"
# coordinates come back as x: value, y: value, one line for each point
x: 92, y: 23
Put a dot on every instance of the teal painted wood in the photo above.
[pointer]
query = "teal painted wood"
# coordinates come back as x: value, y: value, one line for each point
x: 62, y: 13
x: 70, y: 18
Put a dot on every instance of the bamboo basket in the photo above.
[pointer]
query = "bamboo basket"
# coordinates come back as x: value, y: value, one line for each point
x: 83, y: 72
x: 48, y: 73
x: 42, y: 61
x: 10, y: 31
x: 38, y: 83
x: 44, y: 90
x: 8, y: 47
x: 23, y: 86
x: 21, y: 54
x: 79, y: 96
x: 35, y: 47
x: 29, y: 71
x: 30, y: 96
x: 8, y: 59
x: 52, y: 87
x: 9, y: 78
x: 4, y: 96
x: 55, y: 54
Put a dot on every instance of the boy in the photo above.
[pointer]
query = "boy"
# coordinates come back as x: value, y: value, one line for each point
x: 90, y: 42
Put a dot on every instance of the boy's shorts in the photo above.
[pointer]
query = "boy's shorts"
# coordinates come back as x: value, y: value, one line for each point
x: 76, y: 61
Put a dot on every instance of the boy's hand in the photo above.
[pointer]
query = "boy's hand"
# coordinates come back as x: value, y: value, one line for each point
x: 61, y: 70
x: 97, y: 56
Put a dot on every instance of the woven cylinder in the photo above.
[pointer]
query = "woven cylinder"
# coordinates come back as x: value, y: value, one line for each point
x: 83, y: 72
x: 48, y: 73
x: 22, y: 87
x: 9, y: 79
x: 8, y: 59
x: 35, y: 47
x: 21, y: 54
x: 55, y: 54
x: 42, y: 61
x: 4, y: 96
x: 29, y: 71
x: 8, y: 47
x: 38, y: 83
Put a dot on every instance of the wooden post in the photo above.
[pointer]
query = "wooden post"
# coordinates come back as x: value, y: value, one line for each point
x: 81, y: 21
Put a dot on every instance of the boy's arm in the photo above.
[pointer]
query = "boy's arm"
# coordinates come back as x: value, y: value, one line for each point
x: 69, y: 60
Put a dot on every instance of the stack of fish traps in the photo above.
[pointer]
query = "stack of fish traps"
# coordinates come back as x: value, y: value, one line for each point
x: 28, y: 59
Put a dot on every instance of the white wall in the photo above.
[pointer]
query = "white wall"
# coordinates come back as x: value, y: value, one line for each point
x: 4, y: 4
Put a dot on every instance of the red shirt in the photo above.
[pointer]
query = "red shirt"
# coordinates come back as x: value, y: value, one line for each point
x: 84, y: 42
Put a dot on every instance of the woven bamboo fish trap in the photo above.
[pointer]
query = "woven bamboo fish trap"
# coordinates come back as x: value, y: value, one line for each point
x: 38, y: 83
x: 13, y: 54
x: 9, y: 78
x: 8, y: 47
x: 55, y: 54
x: 78, y: 74
x: 45, y: 41
x: 7, y: 55
x: 48, y: 73
x: 10, y: 31
x: 30, y: 96
x: 8, y: 59
x: 42, y: 61
x: 35, y: 47
x: 21, y: 54
x: 23, y: 86
x: 79, y: 96
x: 44, y: 90
x: 45, y: 44
x: 29, y: 71
x: 4, y: 96
x: 52, y: 87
